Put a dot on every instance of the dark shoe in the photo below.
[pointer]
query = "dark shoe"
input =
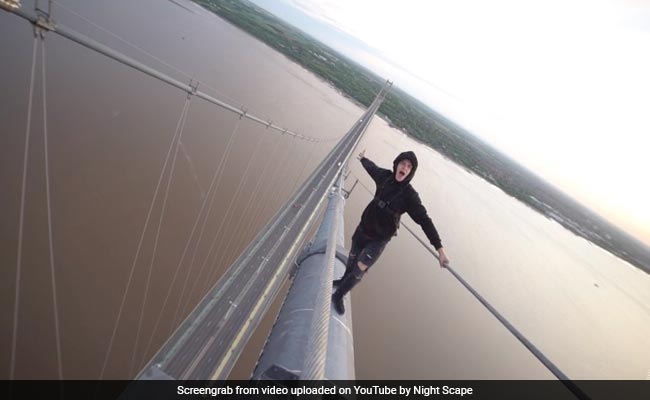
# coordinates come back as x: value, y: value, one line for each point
x: 348, y: 281
x: 337, y: 282
x: 338, y: 304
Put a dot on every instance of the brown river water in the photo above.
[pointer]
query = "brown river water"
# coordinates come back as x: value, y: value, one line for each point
x: 109, y: 129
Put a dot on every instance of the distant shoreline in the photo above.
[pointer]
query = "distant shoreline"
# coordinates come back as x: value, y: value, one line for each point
x: 410, y: 116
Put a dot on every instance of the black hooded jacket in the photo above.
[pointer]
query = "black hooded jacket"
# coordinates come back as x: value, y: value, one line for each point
x: 381, y: 217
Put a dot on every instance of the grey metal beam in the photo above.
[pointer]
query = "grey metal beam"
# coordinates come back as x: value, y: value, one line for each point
x: 288, y: 344
x: 208, y: 343
x: 62, y: 30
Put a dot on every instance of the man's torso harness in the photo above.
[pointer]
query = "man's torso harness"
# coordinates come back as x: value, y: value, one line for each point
x: 384, y: 204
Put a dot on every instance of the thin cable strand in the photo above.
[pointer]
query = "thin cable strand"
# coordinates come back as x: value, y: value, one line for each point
x: 180, y: 128
x: 137, y: 253
x: 252, y: 201
x: 55, y: 306
x: 21, y: 218
x: 228, y: 216
x: 222, y: 164
x: 187, y: 245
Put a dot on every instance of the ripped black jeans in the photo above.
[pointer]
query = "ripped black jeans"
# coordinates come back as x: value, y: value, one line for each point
x: 364, y: 249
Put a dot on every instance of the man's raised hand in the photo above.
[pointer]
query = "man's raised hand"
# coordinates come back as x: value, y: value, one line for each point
x: 361, y: 155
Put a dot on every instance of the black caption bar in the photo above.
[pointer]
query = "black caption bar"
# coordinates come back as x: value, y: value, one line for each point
x: 333, y: 390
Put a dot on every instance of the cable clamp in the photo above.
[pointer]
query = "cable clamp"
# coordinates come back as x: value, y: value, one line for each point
x: 193, y: 88
x: 44, y: 23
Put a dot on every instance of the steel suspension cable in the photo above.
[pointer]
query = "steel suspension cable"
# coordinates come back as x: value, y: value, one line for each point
x: 530, y: 346
x: 212, y: 196
x: 228, y: 217
x: 143, y: 51
x: 289, y: 187
x: 255, y: 205
x: 281, y: 179
x: 139, y: 248
x: 265, y: 206
x: 261, y: 206
x: 55, y: 306
x: 21, y: 218
x: 109, y: 52
x: 179, y: 134
x: 195, y: 176
x: 302, y: 171
x: 282, y: 184
x: 206, y: 199
x: 566, y: 381
x: 248, y: 233
x: 247, y: 213
x: 89, y: 43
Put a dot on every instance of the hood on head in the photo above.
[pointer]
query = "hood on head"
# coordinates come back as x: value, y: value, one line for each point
x: 407, y: 155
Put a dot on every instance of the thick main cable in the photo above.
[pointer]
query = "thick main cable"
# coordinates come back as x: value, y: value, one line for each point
x: 109, y: 52
x: 185, y: 355
x: 143, y: 51
x: 313, y: 368
x: 566, y: 381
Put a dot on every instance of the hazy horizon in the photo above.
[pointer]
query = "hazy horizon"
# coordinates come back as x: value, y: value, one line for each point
x: 563, y: 148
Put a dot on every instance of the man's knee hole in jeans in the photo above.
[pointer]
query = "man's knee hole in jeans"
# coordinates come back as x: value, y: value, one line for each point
x: 363, y: 267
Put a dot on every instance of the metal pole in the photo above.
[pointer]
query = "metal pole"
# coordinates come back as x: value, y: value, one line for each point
x: 298, y: 348
x: 531, y: 347
x: 92, y: 44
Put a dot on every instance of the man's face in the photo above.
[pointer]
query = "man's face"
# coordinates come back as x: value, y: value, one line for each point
x: 403, y: 170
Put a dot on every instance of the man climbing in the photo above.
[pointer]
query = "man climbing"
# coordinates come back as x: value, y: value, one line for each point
x: 394, y: 196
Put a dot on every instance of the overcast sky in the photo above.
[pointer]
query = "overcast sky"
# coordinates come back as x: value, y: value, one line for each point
x: 563, y: 87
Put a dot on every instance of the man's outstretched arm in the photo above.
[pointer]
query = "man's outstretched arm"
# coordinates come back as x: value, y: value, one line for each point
x: 373, y: 170
x: 418, y: 213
